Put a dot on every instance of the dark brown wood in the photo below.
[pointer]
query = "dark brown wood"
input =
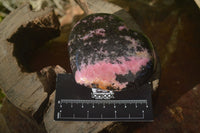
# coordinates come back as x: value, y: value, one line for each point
x: 13, y: 120
x: 21, y: 33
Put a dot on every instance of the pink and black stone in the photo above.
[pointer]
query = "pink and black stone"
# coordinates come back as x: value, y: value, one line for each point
x: 105, y: 54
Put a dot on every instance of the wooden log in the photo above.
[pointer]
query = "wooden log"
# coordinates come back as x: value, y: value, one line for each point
x: 13, y: 120
x: 21, y: 32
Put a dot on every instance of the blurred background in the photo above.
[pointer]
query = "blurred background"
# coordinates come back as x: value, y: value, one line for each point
x: 174, y: 28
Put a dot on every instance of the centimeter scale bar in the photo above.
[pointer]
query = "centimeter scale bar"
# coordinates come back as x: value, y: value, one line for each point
x: 102, y: 101
x: 71, y: 109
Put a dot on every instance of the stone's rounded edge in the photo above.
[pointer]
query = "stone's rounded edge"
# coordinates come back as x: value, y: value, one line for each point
x: 78, y: 46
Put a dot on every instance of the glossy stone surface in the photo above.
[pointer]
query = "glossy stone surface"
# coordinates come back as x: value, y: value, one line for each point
x: 104, y: 53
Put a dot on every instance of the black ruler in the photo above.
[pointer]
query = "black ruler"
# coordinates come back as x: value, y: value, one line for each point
x: 78, y: 103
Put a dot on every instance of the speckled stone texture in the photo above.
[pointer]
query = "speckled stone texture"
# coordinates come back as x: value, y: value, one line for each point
x: 104, y: 53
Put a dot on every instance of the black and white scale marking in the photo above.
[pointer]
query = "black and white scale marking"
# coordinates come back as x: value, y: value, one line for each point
x: 74, y: 103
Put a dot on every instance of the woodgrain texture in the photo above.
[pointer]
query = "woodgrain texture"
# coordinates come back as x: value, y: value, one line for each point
x: 21, y: 32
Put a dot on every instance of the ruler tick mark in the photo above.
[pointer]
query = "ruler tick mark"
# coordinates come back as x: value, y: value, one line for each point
x: 58, y: 115
x: 87, y: 114
x: 104, y: 105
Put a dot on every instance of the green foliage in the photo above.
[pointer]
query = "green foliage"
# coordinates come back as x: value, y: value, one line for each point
x: 1, y: 10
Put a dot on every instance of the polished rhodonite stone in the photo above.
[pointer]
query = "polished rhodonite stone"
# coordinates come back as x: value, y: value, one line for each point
x: 105, y: 54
